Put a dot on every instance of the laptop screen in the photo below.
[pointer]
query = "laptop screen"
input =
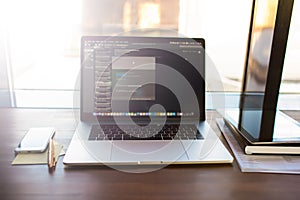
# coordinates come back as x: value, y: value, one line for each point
x: 142, y: 77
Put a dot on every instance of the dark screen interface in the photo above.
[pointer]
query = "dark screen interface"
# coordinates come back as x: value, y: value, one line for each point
x: 129, y: 75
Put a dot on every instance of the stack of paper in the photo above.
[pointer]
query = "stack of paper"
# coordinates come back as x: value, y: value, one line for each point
x: 288, y: 164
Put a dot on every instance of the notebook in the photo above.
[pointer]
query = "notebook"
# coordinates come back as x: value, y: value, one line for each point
x: 143, y: 103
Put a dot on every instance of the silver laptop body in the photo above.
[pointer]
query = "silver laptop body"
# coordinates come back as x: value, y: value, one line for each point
x: 143, y: 103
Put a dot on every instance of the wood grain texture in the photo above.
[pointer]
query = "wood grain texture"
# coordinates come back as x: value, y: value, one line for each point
x: 223, y: 181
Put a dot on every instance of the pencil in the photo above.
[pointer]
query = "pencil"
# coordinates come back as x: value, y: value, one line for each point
x: 51, y: 156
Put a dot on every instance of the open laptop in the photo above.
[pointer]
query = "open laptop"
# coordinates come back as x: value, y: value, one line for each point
x: 143, y: 103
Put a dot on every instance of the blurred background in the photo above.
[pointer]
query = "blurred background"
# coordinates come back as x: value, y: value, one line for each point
x: 40, y: 42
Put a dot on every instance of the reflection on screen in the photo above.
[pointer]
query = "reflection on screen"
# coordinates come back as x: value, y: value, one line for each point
x: 260, y: 46
x: 261, y: 38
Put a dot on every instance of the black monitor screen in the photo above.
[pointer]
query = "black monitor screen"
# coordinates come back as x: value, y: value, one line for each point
x: 257, y: 118
x: 260, y: 45
x: 142, y: 76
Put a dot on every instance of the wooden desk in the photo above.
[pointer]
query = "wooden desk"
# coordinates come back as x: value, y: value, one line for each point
x: 174, y: 182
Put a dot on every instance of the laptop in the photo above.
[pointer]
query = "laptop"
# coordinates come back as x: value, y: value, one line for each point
x: 143, y: 103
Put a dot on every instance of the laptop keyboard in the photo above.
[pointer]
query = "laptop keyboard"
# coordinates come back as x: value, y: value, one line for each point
x: 167, y: 132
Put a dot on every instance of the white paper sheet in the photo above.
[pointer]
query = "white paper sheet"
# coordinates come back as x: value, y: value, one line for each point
x: 287, y: 164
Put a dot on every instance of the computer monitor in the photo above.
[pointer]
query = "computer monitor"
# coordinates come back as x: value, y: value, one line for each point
x: 258, y: 119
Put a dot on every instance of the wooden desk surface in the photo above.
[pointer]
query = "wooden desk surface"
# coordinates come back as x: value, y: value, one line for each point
x: 222, y: 181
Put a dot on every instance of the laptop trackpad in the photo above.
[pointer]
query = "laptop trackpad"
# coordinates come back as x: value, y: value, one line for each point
x: 147, y: 151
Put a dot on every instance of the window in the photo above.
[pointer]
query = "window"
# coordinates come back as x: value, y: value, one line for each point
x: 291, y: 73
x: 42, y: 40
